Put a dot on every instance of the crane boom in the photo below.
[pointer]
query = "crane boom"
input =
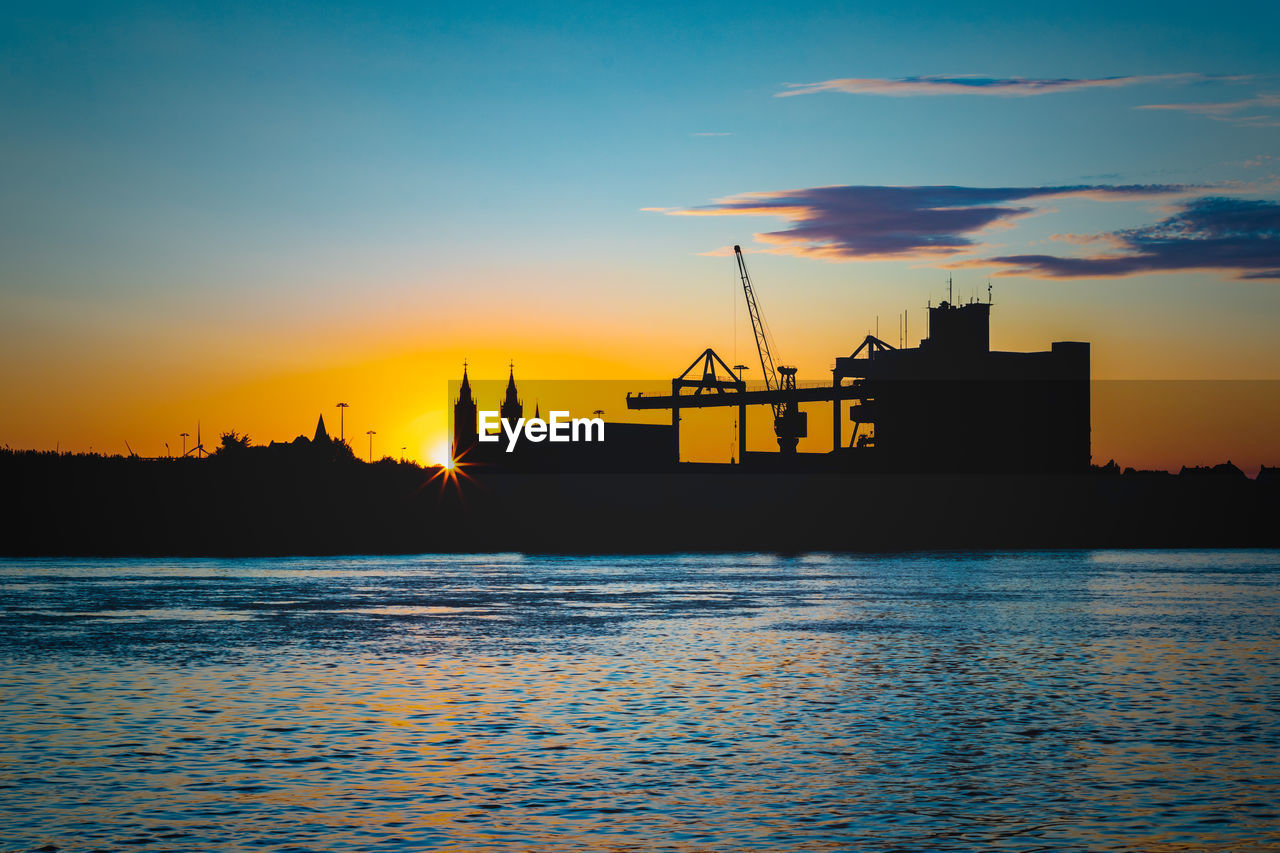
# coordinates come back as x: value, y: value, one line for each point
x: 789, y: 423
x: 767, y: 367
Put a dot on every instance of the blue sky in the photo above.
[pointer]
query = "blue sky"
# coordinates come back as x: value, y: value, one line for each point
x: 248, y: 190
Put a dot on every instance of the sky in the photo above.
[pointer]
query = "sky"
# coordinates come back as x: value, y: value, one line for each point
x: 240, y: 215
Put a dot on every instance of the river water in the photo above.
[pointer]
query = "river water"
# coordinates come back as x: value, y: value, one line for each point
x: 1028, y: 701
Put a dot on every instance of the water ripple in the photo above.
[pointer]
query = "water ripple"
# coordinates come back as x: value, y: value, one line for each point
x: 1073, y: 700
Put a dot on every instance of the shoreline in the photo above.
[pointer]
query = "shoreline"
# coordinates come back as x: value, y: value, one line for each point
x: 76, y: 506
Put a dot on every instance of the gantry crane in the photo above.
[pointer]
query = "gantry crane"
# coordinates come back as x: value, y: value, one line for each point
x: 789, y: 423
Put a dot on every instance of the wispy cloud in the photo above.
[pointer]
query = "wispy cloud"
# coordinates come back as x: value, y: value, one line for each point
x: 1242, y: 112
x: 974, y: 85
x: 1232, y: 235
x: 707, y: 133
x: 847, y: 223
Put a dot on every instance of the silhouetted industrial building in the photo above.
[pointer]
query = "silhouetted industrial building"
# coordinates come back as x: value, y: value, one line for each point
x: 951, y: 405
x: 954, y: 404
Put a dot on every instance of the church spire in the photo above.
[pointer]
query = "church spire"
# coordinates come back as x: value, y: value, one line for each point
x: 512, y: 408
x: 465, y: 434
x: 465, y: 390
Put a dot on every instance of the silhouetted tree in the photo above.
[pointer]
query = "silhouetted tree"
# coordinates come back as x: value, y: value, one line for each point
x: 233, y: 442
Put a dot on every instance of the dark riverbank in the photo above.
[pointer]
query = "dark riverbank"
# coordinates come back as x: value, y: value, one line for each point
x: 278, y: 504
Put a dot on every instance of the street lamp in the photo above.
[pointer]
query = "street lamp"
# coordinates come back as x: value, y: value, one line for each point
x: 184, y: 442
x: 371, y: 433
x: 342, y: 435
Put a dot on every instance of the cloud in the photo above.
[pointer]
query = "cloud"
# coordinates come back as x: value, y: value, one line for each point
x: 1109, y: 240
x: 847, y: 223
x: 1231, y: 111
x: 705, y: 133
x: 1212, y: 233
x: 973, y: 85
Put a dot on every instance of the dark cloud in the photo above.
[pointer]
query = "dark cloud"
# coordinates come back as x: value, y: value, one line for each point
x: 846, y: 223
x: 970, y: 85
x: 1229, y: 234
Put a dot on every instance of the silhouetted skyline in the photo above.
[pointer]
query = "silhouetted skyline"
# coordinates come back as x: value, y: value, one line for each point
x: 243, y: 216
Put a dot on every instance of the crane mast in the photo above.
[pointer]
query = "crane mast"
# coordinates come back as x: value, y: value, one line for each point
x: 767, y: 368
x: 789, y: 423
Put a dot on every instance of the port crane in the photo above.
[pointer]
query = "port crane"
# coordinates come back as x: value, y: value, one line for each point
x: 789, y: 423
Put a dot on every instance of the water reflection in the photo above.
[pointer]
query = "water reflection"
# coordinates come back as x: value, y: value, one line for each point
x: 945, y: 702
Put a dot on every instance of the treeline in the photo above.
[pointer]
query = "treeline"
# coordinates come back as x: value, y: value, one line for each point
x: 281, y: 499
x: 316, y: 498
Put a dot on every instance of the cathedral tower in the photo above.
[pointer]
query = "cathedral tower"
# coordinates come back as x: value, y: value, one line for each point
x: 465, y: 435
x: 512, y: 410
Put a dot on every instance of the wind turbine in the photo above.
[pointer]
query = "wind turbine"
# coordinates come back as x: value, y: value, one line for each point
x: 198, y: 450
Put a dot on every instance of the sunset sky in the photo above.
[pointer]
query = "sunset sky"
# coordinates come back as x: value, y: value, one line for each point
x: 243, y: 214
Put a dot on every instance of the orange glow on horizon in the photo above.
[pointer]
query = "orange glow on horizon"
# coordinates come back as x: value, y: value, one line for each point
x: 98, y: 386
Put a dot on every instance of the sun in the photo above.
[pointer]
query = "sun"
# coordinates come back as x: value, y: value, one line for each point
x: 440, y: 454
